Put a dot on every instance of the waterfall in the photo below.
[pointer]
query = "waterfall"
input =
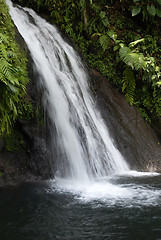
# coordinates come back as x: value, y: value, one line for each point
x: 84, y: 149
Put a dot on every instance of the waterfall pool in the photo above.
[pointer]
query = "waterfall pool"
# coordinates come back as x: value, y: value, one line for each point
x: 124, y: 207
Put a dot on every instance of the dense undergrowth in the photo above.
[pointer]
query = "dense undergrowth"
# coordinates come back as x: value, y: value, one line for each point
x: 13, y: 83
x: 121, y: 39
x: 13, y: 73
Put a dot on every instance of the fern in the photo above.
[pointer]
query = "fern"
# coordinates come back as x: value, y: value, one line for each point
x: 3, y: 38
x: 106, y: 38
x: 132, y: 59
x: 129, y: 84
x: 3, y: 52
x: 13, y: 73
x: 104, y: 41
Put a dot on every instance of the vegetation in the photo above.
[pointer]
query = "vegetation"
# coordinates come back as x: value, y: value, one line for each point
x: 120, y: 39
x: 14, y: 142
x: 13, y: 73
x: 111, y: 41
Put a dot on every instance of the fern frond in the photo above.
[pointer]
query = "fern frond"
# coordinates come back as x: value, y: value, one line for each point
x: 3, y: 38
x: 8, y: 72
x: 3, y: 79
x: 129, y: 84
x: 3, y: 52
x: 132, y: 59
x: 104, y: 41
x: 4, y: 70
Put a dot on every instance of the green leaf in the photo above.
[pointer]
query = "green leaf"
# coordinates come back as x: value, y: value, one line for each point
x: 96, y: 34
x: 158, y: 12
x: 132, y: 59
x: 136, y: 10
x: 105, y: 21
x: 129, y: 85
x: 136, y: 1
x: 151, y: 10
x: 116, y: 48
x: 112, y: 34
x: 132, y: 44
x: 102, y: 14
x: 104, y: 41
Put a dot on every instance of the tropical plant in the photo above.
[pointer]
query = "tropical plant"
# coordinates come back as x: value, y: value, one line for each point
x: 129, y: 84
x: 100, y: 26
x: 13, y: 74
x: 148, y: 8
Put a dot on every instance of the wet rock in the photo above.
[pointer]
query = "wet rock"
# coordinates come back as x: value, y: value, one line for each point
x: 135, y: 139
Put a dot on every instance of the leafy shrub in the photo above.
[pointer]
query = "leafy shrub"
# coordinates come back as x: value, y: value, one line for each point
x: 13, y: 73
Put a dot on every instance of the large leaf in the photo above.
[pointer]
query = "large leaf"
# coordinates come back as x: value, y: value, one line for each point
x: 151, y: 10
x: 132, y: 59
x: 136, y: 10
x: 102, y: 14
x: 132, y: 44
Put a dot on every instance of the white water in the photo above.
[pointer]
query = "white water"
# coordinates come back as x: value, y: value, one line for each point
x: 85, y: 147
x: 87, y: 164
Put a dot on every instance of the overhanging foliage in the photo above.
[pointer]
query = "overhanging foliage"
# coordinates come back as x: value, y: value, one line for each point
x: 13, y: 73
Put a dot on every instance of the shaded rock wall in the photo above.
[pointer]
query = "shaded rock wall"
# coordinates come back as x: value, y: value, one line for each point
x: 33, y: 162
x: 132, y: 135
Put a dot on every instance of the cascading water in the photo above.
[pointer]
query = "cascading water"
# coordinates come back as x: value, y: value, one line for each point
x: 117, y: 203
x: 84, y: 148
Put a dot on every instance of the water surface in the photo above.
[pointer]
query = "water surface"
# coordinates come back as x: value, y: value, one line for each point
x: 128, y: 207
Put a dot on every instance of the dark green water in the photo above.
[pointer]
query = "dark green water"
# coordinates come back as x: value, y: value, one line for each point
x: 42, y: 211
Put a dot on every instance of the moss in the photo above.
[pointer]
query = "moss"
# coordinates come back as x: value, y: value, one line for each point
x: 25, y: 110
x: 14, y: 142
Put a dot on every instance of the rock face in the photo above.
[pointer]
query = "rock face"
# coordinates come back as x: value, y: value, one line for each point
x: 33, y: 162
x: 132, y: 135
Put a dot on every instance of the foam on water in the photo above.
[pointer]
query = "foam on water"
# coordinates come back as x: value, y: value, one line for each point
x: 124, y: 192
